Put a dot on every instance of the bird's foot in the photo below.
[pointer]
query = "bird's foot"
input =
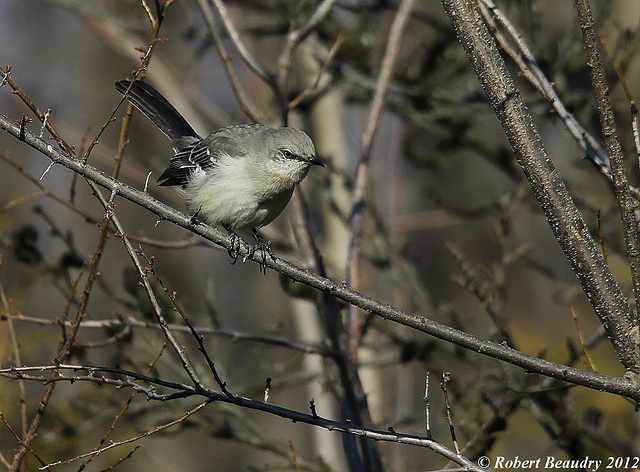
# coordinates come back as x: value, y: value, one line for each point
x: 238, y: 248
x: 194, y: 217
x: 236, y: 245
x: 264, y: 249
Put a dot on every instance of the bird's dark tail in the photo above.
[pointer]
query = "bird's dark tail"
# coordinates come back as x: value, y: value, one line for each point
x: 152, y: 104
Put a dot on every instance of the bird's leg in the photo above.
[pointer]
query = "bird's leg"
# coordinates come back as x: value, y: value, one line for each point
x: 236, y: 243
x: 194, y: 217
x: 265, y: 249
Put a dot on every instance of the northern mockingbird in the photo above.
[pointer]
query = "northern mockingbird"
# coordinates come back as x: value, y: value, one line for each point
x: 240, y: 176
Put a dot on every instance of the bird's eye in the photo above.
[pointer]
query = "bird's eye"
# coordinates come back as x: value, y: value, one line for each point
x: 288, y: 154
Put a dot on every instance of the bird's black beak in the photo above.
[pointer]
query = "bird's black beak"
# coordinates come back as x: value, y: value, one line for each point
x: 316, y: 162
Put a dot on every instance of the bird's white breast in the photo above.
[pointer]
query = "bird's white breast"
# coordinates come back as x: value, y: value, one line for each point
x: 238, y: 193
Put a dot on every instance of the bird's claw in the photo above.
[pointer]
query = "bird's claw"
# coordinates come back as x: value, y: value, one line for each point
x: 194, y: 217
x: 234, y: 248
x: 265, y: 250
x: 237, y: 244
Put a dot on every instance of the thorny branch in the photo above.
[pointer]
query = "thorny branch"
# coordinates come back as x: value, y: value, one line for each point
x: 6, y: 79
x: 162, y: 322
x: 120, y: 414
x: 199, y: 338
x: 157, y: 429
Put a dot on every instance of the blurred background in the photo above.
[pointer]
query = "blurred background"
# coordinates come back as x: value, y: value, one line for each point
x: 451, y: 232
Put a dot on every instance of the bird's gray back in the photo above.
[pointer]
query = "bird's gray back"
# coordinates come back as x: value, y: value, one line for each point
x: 237, y: 141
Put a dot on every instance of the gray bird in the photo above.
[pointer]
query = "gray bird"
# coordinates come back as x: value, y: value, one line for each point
x: 240, y: 176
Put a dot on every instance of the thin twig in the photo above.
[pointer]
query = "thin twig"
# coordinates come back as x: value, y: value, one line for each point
x: 294, y: 457
x: 211, y: 395
x: 22, y: 394
x: 446, y: 376
x: 294, y: 38
x: 198, y: 337
x: 144, y: 63
x: 162, y: 322
x: 69, y: 339
x: 121, y: 460
x: 267, y: 390
x: 187, y: 242
x: 247, y: 57
x: 41, y: 116
x: 182, y: 390
x: 247, y: 106
x: 508, y: 37
x: 231, y: 334
x: 115, y: 109
x: 146, y: 434
x: 585, y: 349
x: 427, y: 412
x: 120, y: 414
x: 23, y: 444
x: 361, y: 179
x: 311, y: 89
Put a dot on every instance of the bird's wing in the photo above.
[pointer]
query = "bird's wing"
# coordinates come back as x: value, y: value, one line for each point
x: 203, y: 154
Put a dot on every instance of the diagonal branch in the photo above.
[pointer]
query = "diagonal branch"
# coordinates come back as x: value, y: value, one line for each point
x: 294, y: 38
x: 553, y: 197
x: 162, y: 322
x: 6, y: 78
x: 356, y: 216
x: 512, y: 42
x: 612, y: 144
x: 251, y: 62
x: 248, y: 107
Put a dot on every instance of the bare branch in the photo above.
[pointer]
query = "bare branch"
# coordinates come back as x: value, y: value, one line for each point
x: 361, y: 179
x: 327, y: 62
x: 22, y: 443
x: 446, y: 376
x: 247, y: 57
x: 294, y: 37
x: 517, y: 49
x: 146, y: 434
x: 622, y: 386
x: 613, y: 146
x: 212, y: 395
x: 120, y: 414
x: 133, y: 254
x: 246, y: 104
x: 231, y: 334
x: 18, y: 358
x: 199, y: 338
x: 563, y: 217
x: 6, y: 78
